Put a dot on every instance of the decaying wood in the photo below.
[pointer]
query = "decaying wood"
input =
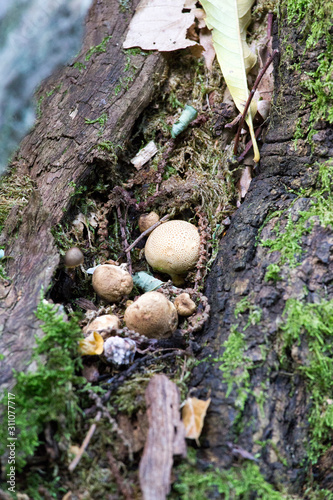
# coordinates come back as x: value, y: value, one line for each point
x: 166, y: 438
x: 62, y: 153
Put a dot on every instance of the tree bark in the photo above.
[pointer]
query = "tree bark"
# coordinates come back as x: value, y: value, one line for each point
x: 239, y: 272
x: 60, y: 154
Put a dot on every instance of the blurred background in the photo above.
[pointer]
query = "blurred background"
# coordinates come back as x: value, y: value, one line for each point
x: 36, y: 37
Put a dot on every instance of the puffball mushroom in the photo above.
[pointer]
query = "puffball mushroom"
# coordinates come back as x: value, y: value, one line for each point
x: 152, y: 315
x: 102, y: 323
x: 147, y: 220
x: 173, y: 248
x: 111, y: 282
x: 73, y: 257
x: 184, y: 305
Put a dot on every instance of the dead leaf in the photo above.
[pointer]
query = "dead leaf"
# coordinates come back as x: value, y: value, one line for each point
x: 200, y: 16
x: 144, y: 155
x: 160, y: 25
x: 244, y: 182
x: 193, y: 415
x: 207, y: 42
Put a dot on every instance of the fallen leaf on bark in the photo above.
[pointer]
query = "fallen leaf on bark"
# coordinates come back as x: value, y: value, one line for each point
x: 160, y: 25
x: 193, y: 415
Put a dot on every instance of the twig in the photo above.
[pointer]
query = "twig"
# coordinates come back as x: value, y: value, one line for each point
x: 247, y: 105
x: 124, y: 489
x: 85, y: 443
x: 124, y: 239
x: 147, y: 231
x: 269, y: 24
x: 249, y: 145
x: 205, y: 234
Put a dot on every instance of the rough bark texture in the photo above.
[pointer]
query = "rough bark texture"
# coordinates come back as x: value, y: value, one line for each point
x: 239, y: 272
x: 61, y: 153
x: 166, y: 438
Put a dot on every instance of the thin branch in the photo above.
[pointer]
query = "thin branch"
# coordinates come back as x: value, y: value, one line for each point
x: 147, y: 231
x: 85, y: 443
x: 124, y: 488
x: 124, y: 239
x: 247, y: 105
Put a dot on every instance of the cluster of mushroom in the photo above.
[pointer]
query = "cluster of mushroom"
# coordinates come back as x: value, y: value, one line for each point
x: 171, y: 248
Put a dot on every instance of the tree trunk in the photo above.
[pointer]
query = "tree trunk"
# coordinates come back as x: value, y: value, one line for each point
x: 62, y: 153
x: 276, y: 402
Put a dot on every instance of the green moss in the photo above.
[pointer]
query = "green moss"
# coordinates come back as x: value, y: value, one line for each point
x: 273, y: 273
x: 48, y: 393
x: 80, y: 66
x: 235, y: 367
x: 245, y: 482
x: 97, y: 49
x: 15, y: 191
x: 314, y: 323
x: 288, y: 242
x: 101, y: 120
x: 317, y: 86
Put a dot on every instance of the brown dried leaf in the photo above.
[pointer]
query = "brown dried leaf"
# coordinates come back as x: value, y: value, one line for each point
x: 244, y: 182
x: 207, y: 42
x: 193, y: 415
x: 160, y: 25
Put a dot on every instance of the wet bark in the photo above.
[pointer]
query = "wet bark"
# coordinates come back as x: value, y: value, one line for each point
x: 239, y: 272
x: 62, y: 153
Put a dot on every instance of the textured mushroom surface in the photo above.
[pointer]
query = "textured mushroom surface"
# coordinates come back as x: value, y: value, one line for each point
x: 102, y: 323
x: 184, y: 305
x: 111, y: 283
x: 152, y: 315
x: 73, y: 257
x: 173, y: 248
x: 147, y: 220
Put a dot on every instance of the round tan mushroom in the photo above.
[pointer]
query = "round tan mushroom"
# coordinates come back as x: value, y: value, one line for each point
x: 147, y: 220
x: 73, y: 257
x: 111, y: 283
x: 107, y: 321
x: 152, y: 315
x: 184, y: 305
x: 173, y: 248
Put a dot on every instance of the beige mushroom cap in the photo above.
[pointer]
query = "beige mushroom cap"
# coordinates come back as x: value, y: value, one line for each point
x: 173, y: 248
x: 147, y: 220
x: 152, y: 315
x: 73, y: 257
x: 102, y: 323
x: 184, y: 305
x: 111, y: 283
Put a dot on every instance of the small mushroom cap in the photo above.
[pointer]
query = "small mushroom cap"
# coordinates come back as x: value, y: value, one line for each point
x: 152, y: 315
x: 173, y: 248
x: 184, y: 305
x: 102, y: 323
x: 73, y: 257
x: 91, y: 345
x: 147, y: 220
x: 111, y: 283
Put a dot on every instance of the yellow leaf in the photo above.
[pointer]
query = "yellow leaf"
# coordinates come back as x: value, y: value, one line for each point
x: 93, y: 344
x: 193, y: 415
x: 228, y: 20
